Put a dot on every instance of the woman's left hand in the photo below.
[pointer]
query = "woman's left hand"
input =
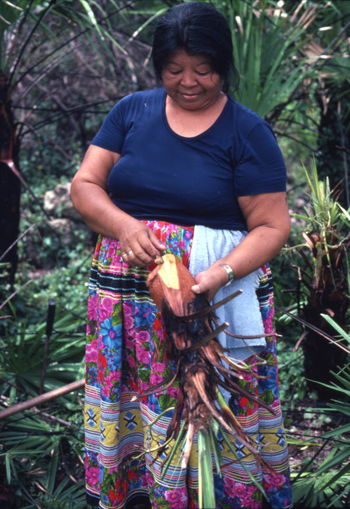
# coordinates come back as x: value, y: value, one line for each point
x: 210, y: 281
x: 268, y: 224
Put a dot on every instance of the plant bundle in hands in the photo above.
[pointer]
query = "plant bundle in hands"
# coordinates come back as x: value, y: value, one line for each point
x: 202, y: 368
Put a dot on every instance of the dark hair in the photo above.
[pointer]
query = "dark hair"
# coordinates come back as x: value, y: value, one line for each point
x: 198, y: 28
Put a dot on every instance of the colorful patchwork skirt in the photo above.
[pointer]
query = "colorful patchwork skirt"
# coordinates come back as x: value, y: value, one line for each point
x: 126, y: 354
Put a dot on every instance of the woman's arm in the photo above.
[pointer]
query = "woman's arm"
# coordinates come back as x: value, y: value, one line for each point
x: 91, y: 199
x: 268, y: 225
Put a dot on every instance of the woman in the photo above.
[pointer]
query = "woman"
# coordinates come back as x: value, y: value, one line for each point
x: 171, y: 168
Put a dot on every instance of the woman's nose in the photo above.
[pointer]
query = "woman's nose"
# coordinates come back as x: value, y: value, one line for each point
x: 188, y: 79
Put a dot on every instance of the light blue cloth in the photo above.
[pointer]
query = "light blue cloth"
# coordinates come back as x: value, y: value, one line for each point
x: 243, y: 312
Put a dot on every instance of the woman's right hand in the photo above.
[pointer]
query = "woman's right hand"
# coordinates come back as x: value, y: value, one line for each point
x: 138, y: 243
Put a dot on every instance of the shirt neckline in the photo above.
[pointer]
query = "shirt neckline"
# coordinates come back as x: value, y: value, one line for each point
x: 165, y: 120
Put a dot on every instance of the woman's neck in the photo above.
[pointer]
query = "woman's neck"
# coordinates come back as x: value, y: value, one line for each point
x: 193, y: 122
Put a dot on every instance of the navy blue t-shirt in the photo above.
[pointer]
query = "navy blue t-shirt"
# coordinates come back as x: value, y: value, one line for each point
x: 188, y: 181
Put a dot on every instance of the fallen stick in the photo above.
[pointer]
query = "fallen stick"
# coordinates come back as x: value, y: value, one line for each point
x: 43, y: 398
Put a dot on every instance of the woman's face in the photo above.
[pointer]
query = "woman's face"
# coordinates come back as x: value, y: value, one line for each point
x: 190, y: 81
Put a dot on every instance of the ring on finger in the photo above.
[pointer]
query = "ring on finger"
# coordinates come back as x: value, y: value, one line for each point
x: 124, y: 255
x: 129, y: 253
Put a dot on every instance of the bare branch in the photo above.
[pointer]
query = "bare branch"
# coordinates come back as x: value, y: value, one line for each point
x: 15, y: 293
x: 17, y: 240
x: 43, y: 398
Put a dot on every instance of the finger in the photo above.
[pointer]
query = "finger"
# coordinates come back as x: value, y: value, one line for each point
x: 146, y: 244
x: 123, y: 256
x: 200, y: 288
x: 156, y: 242
x: 138, y: 256
x: 196, y: 289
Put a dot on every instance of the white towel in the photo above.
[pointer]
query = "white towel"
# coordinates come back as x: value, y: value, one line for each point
x: 243, y: 312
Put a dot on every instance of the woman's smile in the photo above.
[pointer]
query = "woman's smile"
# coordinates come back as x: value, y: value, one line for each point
x: 189, y: 96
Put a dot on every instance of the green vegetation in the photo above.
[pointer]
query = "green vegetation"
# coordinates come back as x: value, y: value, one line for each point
x: 63, y: 65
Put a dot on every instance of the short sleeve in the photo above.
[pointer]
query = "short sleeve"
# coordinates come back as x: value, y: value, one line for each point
x: 261, y: 168
x: 113, y: 130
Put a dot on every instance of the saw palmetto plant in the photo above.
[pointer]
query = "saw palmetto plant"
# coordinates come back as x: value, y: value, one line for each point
x: 41, y: 448
x: 324, y: 481
x: 203, y: 369
x: 324, y: 279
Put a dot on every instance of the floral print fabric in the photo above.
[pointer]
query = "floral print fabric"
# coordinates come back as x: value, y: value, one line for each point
x: 126, y: 354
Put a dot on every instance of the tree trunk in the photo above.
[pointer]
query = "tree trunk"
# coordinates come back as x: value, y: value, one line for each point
x: 328, y: 295
x: 10, y: 188
x: 333, y: 140
x: 320, y: 356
